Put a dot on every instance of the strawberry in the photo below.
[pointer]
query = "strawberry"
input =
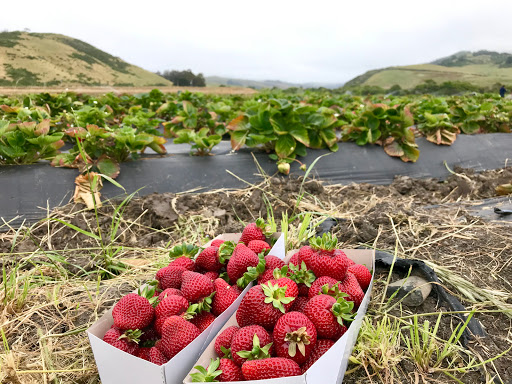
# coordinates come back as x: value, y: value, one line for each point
x: 126, y: 342
x: 230, y: 371
x: 270, y: 368
x: 171, y: 306
x: 322, y: 346
x: 253, y: 231
x: 184, y: 255
x: 225, y: 295
x: 133, y: 312
x: 159, y: 323
x: 217, y: 242
x: 350, y: 263
x: 184, y: 262
x: 170, y: 277
x: 258, y: 246
x: 143, y: 353
x: 208, y: 259
x: 317, y: 287
x: 294, y: 337
x: 195, y: 286
x: 263, y: 305
x: 157, y: 357
x: 149, y: 336
x: 249, y: 343
x: 168, y: 292
x: 177, y: 333
x: 241, y: 259
x: 223, y: 370
x: 223, y: 341
x: 203, y: 320
x: 351, y: 287
x: 294, y: 259
x: 271, y: 263
x: 362, y: 274
x: 266, y: 276
x: 299, y: 303
x: 327, y: 314
x: 212, y: 275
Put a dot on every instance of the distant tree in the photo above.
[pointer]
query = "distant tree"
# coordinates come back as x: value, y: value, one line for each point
x: 184, y: 78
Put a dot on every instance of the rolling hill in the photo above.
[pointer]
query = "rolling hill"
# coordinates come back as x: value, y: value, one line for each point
x: 260, y: 84
x: 47, y: 59
x: 482, y: 68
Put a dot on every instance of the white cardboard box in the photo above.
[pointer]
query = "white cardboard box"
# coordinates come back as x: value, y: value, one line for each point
x: 331, y: 367
x: 118, y: 367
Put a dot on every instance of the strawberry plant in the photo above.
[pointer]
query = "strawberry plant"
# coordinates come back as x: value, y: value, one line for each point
x: 201, y: 141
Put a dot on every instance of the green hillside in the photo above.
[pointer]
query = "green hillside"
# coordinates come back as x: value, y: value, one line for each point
x: 482, y: 68
x: 47, y: 59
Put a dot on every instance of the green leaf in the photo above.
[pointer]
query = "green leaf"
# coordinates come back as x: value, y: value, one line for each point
x: 238, y: 139
x: 285, y: 145
x: 301, y: 135
x: 108, y: 167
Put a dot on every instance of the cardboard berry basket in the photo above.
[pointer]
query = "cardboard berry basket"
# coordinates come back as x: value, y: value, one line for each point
x: 118, y: 367
x: 331, y: 367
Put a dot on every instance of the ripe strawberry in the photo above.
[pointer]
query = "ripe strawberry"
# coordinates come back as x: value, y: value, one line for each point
x: 294, y: 259
x: 322, y: 346
x: 143, y: 353
x: 159, y: 323
x: 225, y: 295
x: 253, y: 231
x: 327, y: 314
x: 217, y: 243
x: 223, y: 370
x: 170, y: 277
x: 270, y: 368
x: 212, y: 275
x: 169, y: 292
x: 184, y: 262
x: 241, y: 259
x: 266, y: 276
x: 362, y: 275
x: 208, y: 259
x: 177, y: 333
x: 222, y: 344
x: 351, y: 287
x: 350, y: 263
x: 271, y: 263
x: 149, y: 336
x: 120, y: 340
x: 263, y: 305
x: 294, y: 337
x: 230, y: 371
x: 299, y: 303
x: 133, y: 312
x: 317, y: 287
x: 157, y: 357
x: 258, y: 246
x: 203, y: 320
x: 195, y: 286
x: 171, y: 306
x: 251, y: 342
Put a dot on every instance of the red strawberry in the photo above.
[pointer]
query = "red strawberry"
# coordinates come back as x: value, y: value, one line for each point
x: 223, y: 370
x: 299, y: 303
x: 362, y: 275
x: 195, y: 286
x: 171, y: 306
x: 223, y: 341
x: 157, y: 357
x: 253, y: 231
x: 208, y: 259
x: 159, y: 323
x: 169, y: 292
x: 241, y: 259
x: 294, y: 259
x: 252, y: 342
x: 177, y: 333
x: 303, y: 290
x: 121, y: 341
x: 270, y: 368
x: 327, y: 315
x: 258, y: 246
x: 143, y: 353
x: 217, y: 242
x: 149, y: 335
x: 170, y: 277
x: 230, y: 371
x: 225, y: 295
x: 133, y: 312
x: 272, y: 262
x: 266, y: 276
x: 351, y: 287
x: 254, y: 309
x: 317, y: 287
x: 322, y: 346
x: 184, y: 262
x: 203, y: 320
x: 212, y: 275
x: 350, y: 263
x: 294, y: 337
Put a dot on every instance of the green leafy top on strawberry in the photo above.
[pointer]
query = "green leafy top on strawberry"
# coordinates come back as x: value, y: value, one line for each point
x: 343, y: 310
x: 204, y: 305
x: 327, y: 242
x: 298, y: 274
x: 257, y: 352
x: 132, y: 335
x: 226, y: 352
x: 207, y: 375
x: 298, y: 340
x: 148, y: 292
x: 188, y: 250
x: 225, y: 251
x: 276, y: 295
x: 252, y: 272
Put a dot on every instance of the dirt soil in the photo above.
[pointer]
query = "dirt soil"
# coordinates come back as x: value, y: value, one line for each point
x: 425, y: 219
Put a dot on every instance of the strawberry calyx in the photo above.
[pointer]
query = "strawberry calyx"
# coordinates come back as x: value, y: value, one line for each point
x: 132, y: 335
x: 148, y: 292
x: 193, y: 310
x: 252, y: 272
x: 343, y: 310
x: 301, y: 274
x: 267, y: 227
x: 206, y: 375
x: 298, y: 340
x: 188, y: 250
x: 225, y: 251
x: 257, y: 352
x: 275, y: 295
x: 226, y: 352
x: 328, y: 242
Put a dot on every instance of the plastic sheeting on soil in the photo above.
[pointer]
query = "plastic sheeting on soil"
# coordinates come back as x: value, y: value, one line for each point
x: 26, y: 191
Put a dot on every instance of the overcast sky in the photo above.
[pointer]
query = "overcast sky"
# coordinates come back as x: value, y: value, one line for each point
x: 297, y: 41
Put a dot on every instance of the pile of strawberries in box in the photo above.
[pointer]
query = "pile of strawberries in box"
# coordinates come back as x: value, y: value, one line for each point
x: 294, y: 314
